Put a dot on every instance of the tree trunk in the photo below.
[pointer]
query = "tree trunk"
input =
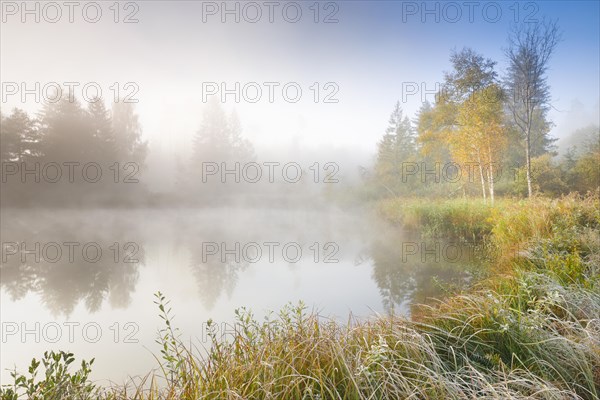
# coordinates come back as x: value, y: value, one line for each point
x: 530, y: 109
x: 491, y: 175
x: 482, y: 181
x: 491, y: 183
x: 528, y: 160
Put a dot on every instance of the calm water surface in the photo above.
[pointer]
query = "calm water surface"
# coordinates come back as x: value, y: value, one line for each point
x: 84, y: 280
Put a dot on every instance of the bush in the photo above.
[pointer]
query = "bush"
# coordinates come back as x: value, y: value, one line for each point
x: 57, y: 384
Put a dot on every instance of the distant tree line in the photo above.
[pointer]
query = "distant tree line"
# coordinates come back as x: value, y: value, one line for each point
x: 43, y: 157
x: 66, y: 131
x: 76, y: 141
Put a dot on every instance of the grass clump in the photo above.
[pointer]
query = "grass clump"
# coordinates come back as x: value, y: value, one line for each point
x: 466, y: 219
x: 535, y: 339
x: 559, y: 223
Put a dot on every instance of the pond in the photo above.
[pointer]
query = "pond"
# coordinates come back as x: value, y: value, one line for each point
x: 83, y: 280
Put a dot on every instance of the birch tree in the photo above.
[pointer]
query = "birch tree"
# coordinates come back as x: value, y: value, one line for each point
x: 530, y: 48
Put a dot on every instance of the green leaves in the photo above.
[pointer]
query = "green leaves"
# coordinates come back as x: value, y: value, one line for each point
x: 58, y: 382
x: 172, y: 350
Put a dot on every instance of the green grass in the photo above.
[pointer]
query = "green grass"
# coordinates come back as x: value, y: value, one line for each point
x: 468, y: 219
x: 532, y: 330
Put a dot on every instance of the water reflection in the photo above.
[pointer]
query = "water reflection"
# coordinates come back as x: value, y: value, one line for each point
x: 411, y: 270
x: 54, y: 254
x: 214, y: 277
x: 67, y: 261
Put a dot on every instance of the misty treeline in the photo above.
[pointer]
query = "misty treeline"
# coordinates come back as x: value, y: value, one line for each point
x: 66, y: 131
x: 224, y: 169
x: 70, y: 155
x: 487, y: 134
